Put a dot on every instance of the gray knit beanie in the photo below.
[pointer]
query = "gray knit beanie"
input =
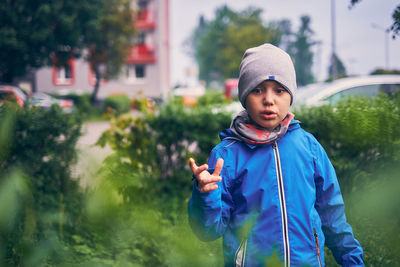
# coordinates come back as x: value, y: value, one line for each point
x: 266, y: 62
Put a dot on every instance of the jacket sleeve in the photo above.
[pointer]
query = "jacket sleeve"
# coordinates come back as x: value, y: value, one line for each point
x: 330, y: 206
x: 209, y: 213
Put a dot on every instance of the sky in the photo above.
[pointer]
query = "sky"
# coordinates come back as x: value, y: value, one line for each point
x: 359, y: 45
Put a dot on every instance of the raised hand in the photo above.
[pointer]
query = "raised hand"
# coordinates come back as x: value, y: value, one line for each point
x: 206, y: 182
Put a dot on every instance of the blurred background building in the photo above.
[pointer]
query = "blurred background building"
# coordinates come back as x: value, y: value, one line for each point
x: 146, y: 72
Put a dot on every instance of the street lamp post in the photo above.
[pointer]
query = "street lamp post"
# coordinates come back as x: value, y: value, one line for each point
x: 333, y: 39
x: 386, y: 31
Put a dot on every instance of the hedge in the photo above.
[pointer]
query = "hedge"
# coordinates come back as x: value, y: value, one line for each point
x: 40, y: 202
x: 137, y: 215
x: 117, y: 104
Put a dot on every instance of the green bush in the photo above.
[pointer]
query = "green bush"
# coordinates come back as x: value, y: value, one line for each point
x: 149, y: 171
x: 156, y: 146
x: 356, y: 133
x: 137, y: 213
x: 212, y: 97
x: 149, y: 167
x: 117, y: 104
x: 37, y: 149
x: 84, y: 107
x: 362, y: 139
x: 132, y: 217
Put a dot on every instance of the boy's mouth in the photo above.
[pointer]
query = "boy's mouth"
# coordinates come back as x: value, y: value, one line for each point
x: 268, y: 114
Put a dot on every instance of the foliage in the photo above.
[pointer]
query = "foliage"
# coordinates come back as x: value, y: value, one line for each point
x: 39, y: 33
x: 396, y: 22
x: 159, y: 142
x: 118, y: 104
x: 149, y: 172
x: 108, y: 38
x: 120, y: 222
x: 83, y: 106
x: 219, y: 44
x: 141, y: 168
x: 300, y: 50
x: 371, y: 210
x: 339, y: 72
x: 142, y: 104
x: 32, y: 31
x: 362, y: 139
x: 383, y: 71
x: 212, y: 98
x: 40, y: 201
x: 355, y: 133
x: 136, y: 215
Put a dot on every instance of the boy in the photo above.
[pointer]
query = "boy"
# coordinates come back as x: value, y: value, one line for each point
x: 273, y: 189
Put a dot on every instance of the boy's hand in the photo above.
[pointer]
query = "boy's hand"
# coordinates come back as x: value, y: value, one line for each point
x: 206, y: 182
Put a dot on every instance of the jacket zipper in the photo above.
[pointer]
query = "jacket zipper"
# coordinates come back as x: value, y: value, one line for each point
x: 318, y: 251
x: 283, y: 206
x: 240, y: 255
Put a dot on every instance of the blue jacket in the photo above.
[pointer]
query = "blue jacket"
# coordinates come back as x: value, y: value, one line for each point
x: 278, y: 200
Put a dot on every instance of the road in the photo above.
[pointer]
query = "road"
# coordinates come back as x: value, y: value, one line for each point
x: 90, y: 156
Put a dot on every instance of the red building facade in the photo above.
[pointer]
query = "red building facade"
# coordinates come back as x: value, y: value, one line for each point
x: 146, y: 72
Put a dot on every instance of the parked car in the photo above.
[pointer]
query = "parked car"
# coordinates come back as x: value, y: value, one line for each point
x: 231, y: 88
x: 331, y: 92
x: 12, y: 93
x: 193, y: 91
x: 40, y: 99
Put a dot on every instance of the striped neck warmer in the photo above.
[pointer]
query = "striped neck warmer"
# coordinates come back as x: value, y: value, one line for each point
x: 244, y: 128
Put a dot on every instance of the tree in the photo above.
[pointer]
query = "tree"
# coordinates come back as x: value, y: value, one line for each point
x: 108, y: 39
x: 300, y: 50
x: 220, y: 43
x: 285, y: 27
x: 33, y: 32
x: 383, y: 71
x: 396, y: 23
x: 37, y: 33
x: 340, y: 68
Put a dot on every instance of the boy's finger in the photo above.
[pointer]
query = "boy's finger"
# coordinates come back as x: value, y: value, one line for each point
x: 207, y: 179
x: 218, y: 166
x: 196, y: 169
x: 201, y: 169
x: 208, y: 187
x: 193, y: 165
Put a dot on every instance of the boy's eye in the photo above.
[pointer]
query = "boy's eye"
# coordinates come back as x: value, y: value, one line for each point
x: 280, y: 90
x: 257, y: 91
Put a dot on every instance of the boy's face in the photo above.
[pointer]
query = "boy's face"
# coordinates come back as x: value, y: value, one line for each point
x: 268, y: 104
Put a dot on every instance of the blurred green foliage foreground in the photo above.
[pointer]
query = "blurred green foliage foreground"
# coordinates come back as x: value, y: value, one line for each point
x: 136, y: 214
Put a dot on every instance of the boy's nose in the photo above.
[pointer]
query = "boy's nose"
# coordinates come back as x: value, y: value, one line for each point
x: 267, y: 98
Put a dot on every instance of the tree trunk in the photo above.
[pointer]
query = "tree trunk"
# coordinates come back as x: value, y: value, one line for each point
x: 34, y: 81
x: 96, y: 87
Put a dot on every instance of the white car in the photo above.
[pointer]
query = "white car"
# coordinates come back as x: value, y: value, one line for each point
x: 194, y: 91
x: 45, y: 101
x: 331, y: 92
x: 12, y: 93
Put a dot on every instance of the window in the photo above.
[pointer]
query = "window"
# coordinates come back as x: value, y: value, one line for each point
x: 142, y: 4
x: 141, y: 38
x: 135, y: 72
x: 365, y: 90
x: 64, y: 75
x: 390, y: 89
